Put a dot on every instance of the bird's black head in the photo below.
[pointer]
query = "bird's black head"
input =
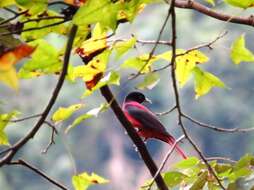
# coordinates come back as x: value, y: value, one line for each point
x: 137, y: 97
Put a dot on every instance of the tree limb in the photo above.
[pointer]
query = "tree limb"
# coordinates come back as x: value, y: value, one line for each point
x: 190, y: 4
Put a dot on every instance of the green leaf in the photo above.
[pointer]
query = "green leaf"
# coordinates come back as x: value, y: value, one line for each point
x: 245, y: 161
x: 200, y: 182
x: 4, y: 3
x: 93, y: 11
x: 188, y: 163
x: 242, y: 172
x: 141, y: 63
x: 92, y: 113
x: 84, y: 180
x: 4, y: 120
x: 122, y: 47
x: 173, y: 178
x: 34, y: 6
x: 241, y: 3
x: 45, y: 60
x: 64, y: 113
x: 36, y: 34
x: 150, y: 81
x: 239, y: 53
x: 205, y: 81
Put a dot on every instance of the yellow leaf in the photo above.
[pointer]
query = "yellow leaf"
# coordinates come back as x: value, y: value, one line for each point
x: 64, y: 113
x: 9, y: 77
x: 185, y: 62
x: 97, y: 42
x: 239, y: 52
x: 84, y: 180
x: 205, y: 81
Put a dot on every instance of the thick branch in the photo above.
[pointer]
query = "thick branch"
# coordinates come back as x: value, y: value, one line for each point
x: 190, y: 4
x: 7, y: 158
x: 105, y: 91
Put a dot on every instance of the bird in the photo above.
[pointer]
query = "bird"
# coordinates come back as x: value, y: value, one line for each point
x: 145, y: 121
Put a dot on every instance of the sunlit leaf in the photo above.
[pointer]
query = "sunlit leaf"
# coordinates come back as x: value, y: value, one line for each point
x: 112, y: 78
x: 186, y: 62
x: 200, y: 182
x: 122, y: 47
x: 205, y: 81
x: 4, y: 3
x: 210, y: 2
x: 12, y: 56
x: 130, y: 9
x: 188, y: 163
x: 141, y: 63
x: 94, y: 44
x: 34, y: 6
x: 84, y: 180
x: 36, y: 34
x: 4, y: 120
x: 243, y: 172
x: 64, y: 113
x: 150, y: 81
x: 92, y: 113
x: 45, y: 60
x: 173, y: 178
x: 239, y: 52
x: 9, y: 77
x: 102, y: 11
x: 242, y: 3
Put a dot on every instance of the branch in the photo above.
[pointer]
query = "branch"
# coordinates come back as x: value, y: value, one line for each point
x: 106, y: 92
x: 154, y: 47
x: 39, y: 172
x: 177, y: 99
x: 190, y: 4
x: 8, y: 157
x: 34, y: 28
x: 204, y: 125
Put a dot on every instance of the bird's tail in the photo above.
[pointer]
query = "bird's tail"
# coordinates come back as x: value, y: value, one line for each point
x: 171, y: 140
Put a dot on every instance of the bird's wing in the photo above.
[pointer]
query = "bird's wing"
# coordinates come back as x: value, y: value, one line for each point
x: 148, y: 120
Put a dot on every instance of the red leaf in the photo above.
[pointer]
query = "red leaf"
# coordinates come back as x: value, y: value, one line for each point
x: 12, y: 56
x: 90, y: 84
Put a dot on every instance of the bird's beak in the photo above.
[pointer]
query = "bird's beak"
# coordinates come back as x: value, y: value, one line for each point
x: 148, y: 101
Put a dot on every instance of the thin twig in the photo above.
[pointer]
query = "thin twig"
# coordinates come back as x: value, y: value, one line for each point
x: 204, y: 125
x: 166, y: 159
x: 39, y: 172
x: 220, y: 158
x: 208, y: 45
x: 34, y: 28
x: 51, y: 142
x: 16, y: 15
x: 166, y: 112
x: 26, y: 118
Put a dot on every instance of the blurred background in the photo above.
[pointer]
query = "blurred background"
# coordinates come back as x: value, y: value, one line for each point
x: 100, y: 145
